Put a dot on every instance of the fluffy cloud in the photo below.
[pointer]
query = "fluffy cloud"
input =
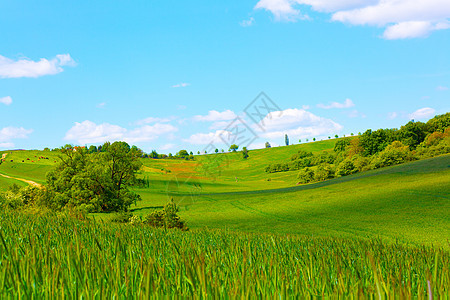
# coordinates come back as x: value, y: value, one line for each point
x: 6, y: 100
x: 400, y: 18
x: 423, y: 113
x: 180, y: 85
x: 296, y: 122
x: 206, y: 138
x: 442, y: 88
x: 10, y: 68
x: 215, y: 116
x: 346, y: 104
x: 7, y: 134
x: 88, y: 132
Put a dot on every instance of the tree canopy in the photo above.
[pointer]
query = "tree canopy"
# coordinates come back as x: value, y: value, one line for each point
x: 95, y: 182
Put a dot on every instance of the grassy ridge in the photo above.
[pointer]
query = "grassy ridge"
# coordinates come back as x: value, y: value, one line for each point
x: 57, y: 256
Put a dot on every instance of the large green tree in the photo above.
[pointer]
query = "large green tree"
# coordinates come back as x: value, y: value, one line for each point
x: 95, y: 182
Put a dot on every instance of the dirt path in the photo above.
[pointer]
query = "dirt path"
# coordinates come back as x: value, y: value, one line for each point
x: 30, y: 182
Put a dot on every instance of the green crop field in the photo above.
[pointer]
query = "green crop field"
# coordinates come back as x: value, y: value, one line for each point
x: 381, y: 232
x: 55, y: 256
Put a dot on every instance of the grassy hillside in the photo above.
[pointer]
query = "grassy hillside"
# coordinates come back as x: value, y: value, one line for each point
x: 409, y: 202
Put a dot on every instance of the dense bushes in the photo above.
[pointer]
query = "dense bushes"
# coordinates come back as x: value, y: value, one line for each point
x: 372, y: 150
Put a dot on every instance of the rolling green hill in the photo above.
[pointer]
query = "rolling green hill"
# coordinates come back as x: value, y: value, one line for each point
x: 409, y: 202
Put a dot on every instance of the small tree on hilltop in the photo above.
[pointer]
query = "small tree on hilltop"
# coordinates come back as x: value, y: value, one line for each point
x: 286, y: 140
x: 234, y: 147
x: 267, y: 145
x: 244, y: 153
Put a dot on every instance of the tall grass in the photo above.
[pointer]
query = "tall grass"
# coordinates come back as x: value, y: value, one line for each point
x: 58, y: 256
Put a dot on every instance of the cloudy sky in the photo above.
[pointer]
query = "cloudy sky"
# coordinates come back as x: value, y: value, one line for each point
x: 171, y: 75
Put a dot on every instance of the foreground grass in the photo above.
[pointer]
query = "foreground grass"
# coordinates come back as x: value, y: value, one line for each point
x: 57, y: 256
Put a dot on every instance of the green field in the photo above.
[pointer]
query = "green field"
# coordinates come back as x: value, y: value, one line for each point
x: 409, y: 202
x: 381, y: 232
x: 56, y: 256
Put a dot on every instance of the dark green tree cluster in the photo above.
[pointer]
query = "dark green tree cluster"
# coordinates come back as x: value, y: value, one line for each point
x: 96, y: 182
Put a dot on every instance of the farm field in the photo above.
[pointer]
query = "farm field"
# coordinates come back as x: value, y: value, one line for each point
x: 408, y: 202
x: 59, y: 256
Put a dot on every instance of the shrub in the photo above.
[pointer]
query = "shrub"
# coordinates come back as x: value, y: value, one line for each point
x: 341, y: 145
x: 166, y: 218
x: 305, y: 175
x: 345, y: 168
x: 323, y: 172
x: 394, y: 154
x: 122, y: 217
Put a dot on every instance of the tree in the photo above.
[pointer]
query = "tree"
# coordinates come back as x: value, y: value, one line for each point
x: 234, y: 147
x: 329, y: 137
x: 217, y: 150
x: 307, y: 140
x: 154, y: 154
x: 341, y: 145
x: 190, y: 153
x: 198, y: 152
x: 336, y: 136
x: 351, y: 134
x: 182, y: 154
x: 267, y: 145
x: 314, y: 139
x: 413, y: 133
x: 286, y: 139
x: 299, y: 140
x: 439, y: 123
x: 244, y: 153
x: 223, y: 151
x: 94, y: 182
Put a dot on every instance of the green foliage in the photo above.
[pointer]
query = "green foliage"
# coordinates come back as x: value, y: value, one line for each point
x: 16, y: 197
x: 57, y: 256
x: 394, y: 154
x: 94, y: 182
x: 182, y: 154
x: 167, y: 218
x: 286, y: 140
x: 305, y: 175
x: 301, y: 154
x: 412, y: 134
x: 439, y: 123
x: 323, y: 172
x: 267, y: 145
x: 341, y: 145
x: 244, y: 153
x: 346, y: 167
x: 121, y: 217
x: 234, y: 147
x: 375, y: 141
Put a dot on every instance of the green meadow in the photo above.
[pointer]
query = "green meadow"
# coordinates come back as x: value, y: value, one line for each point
x: 381, y: 232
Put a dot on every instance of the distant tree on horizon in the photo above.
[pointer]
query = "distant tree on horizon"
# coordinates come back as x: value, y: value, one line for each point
x: 267, y: 145
x: 286, y: 140
x: 336, y: 136
x: 217, y: 150
x: 234, y: 147
x: 244, y: 153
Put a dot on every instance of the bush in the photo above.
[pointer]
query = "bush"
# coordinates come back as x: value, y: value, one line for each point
x: 394, y: 154
x: 341, y: 145
x: 122, y: 217
x: 166, y: 218
x: 305, y: 175
x: 323, y: 172
x: 346, y: 167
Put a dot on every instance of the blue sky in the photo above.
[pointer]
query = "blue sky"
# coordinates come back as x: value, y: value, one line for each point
x: 171, y: 75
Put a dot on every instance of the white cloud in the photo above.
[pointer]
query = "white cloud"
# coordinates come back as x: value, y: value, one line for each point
x: 88, y: 132
x: 247, y: 23
x: 392, y: 115
x: 7, y: 134
x: 6, y: 100
x: 297, y: 123
x: 423, y: 113
x: 215, y: 116
x: 206, y: 138
x: 25, y: 67
x: 400, y: 18
x: 101, y: 105
x: 346, y: 104
x: 181, y: 85
x: 442, y: 88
